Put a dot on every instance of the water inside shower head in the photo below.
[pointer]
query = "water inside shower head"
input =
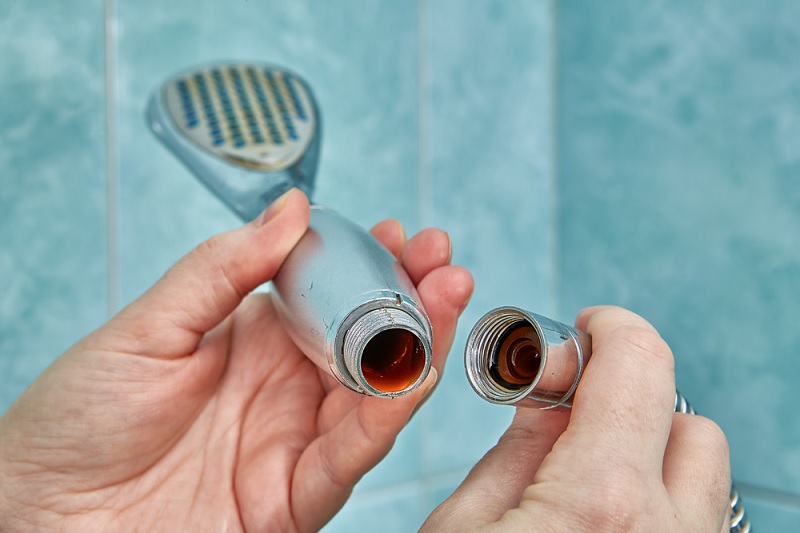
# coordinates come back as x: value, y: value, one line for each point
x: 250, y: 132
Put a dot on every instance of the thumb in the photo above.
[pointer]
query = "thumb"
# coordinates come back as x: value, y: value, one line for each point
x: 204, y: 287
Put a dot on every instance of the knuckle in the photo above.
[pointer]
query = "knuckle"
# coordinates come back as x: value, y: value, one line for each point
x: 643, y: 342
x: 329, y: 467
x: 616, y: 510
x: 710, y: 446
x: 618, y: 501
x: 215, y: 251
x: 210, y: 248
x: 711, y: 433
x: 711, y: 439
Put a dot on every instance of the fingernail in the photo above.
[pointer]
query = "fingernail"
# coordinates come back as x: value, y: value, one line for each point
x: 274, y: 208
x: 430, y: 382
x: 465, y: 304
x: 449, y: 248
x: 400, y: 229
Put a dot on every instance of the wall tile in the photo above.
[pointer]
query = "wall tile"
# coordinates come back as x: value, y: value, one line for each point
x: 679, y: 161
x: 769, y: 515
x: 397, y: 509
x: 489, y: 169
x: 401, y: 465
x: 401, y: 508
x: 441, y: 487
x: 52, y: 186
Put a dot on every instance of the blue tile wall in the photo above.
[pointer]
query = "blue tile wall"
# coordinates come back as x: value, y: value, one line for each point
x: 679, y: 159
x: 773, y: 514
x: 52, y: 184
x: 398, y: 509
x: 642, y: 154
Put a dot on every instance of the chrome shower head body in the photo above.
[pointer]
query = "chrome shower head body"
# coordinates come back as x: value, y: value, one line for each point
x: 251, y: 132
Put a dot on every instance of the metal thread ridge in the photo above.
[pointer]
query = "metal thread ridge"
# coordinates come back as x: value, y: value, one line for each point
x: 366, y: 328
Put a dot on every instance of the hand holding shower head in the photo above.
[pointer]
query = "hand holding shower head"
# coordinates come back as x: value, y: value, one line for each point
x: 515, y: 357
x: 251, y: 132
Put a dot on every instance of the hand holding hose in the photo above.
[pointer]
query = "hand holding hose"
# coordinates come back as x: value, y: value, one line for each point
x: 621, y: 460
x: 192, y: 410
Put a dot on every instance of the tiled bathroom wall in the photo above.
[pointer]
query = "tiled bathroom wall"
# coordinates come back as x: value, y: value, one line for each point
x: 679, y: 185
x: 641, y: 154
x: 53, y: 209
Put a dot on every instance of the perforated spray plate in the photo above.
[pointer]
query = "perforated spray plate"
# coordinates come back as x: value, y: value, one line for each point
x: 257, y: 116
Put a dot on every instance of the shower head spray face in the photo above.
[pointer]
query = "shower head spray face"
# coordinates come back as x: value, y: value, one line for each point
x: 251, y: 132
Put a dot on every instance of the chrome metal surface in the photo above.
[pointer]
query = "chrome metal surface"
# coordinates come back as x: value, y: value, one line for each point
x: 322, y: 292
x: 562, y: 357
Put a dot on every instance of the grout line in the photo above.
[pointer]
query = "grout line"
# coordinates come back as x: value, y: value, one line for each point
x: 425, y: 189
x: 555, y: 235
x: 110, y: 68
x: 425, y: 199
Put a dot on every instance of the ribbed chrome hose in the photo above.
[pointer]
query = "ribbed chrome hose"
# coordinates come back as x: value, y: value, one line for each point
x: 739, y: 521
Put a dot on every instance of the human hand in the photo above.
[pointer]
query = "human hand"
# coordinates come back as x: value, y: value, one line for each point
x: 621, y: 460
x: 192, y: 410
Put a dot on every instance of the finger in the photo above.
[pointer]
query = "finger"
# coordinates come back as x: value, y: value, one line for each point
x: 444, y: 292
x: 624, y: 403
x: 582, y: 320
x: 425, y: 251
x: 205, y: 286
x: 697, y: 472
x: 391, y: 234
x: 332, y: 464
x: 497, y: 482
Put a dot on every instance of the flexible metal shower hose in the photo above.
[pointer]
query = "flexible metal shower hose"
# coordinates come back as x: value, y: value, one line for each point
x: 739, y: 521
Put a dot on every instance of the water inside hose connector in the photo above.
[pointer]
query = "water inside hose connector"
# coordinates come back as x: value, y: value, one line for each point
x: 516, y: 361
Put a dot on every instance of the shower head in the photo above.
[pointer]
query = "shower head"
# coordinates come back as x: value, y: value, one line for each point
x: 249, y: 132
